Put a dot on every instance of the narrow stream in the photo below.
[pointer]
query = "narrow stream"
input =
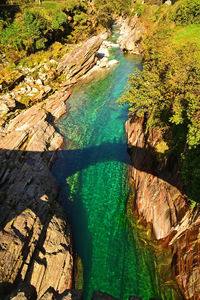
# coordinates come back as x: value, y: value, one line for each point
x: 92, y: 172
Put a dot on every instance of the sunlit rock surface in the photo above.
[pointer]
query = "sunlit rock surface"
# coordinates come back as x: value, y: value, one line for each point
x: 35, y: 238
x: 159, y: 199
x: 131, y: 33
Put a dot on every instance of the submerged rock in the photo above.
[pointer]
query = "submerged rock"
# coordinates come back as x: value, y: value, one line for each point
x: 97, y: 295
x: 112, y: 62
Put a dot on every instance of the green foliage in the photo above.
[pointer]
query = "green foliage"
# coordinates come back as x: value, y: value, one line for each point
x: 140, y: 9
x: 32, y: 30
x: 105, y: 10
x: 188, y: 12
x: 59, y: 19
x: 36, y: 27
x: 190, y: 33
x: 168, y: 89
x: 191, y: 173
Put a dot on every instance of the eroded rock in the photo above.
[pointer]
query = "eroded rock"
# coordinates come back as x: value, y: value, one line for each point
x: 80, y: 60
x: 6, y: 105
x: 131, y: 33
x: 35, y: 237
x: 159, y: 199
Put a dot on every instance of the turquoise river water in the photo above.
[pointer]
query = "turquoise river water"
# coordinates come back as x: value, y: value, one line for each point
x: 92, y: 171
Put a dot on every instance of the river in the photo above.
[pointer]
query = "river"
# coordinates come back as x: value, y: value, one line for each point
x: 92, y: 172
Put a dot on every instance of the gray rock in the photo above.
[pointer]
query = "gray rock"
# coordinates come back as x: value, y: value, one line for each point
x: 6, y: 104
x: 42, y: 76
x: 52, y: 61
x: 103, y: 52
x: 80, y: 60
x: 131, y: 33
x: 113, y: 62
x: 29, y: 80
x: 103, y: 62
x: 39, y: 82
x: 34, y: 90
x: 47, y: 89
x: 23, y: 90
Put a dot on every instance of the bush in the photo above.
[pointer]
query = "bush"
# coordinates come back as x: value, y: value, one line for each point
x: 168, y: 89
x: 34, y: 29
x: 191, y: 173
x: 188, y: 12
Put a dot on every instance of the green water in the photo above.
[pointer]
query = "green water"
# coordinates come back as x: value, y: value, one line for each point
x: 92, y: 172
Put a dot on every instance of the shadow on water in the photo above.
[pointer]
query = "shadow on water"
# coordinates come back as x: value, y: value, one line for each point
x: 79, y: 159
x: 69, y: 164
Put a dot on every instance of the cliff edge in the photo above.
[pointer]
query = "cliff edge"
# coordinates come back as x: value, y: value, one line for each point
x: 160, y: 201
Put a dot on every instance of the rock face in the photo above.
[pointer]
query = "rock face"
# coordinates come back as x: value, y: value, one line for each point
x: 36, y: 255
x: 186, y: 254
x: 159, y: 202
x: 6, y: 105
x: 80, y: 60
x: 131, y: 33
x: 36, y: 242
x: 158, y: 198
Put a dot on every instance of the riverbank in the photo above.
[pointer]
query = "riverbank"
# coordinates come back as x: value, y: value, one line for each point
x: 160, y: 198
x: 92, y: 172
x: 35, y: 235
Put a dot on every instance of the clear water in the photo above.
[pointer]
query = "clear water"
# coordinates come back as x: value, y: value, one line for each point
x: 92, y: 172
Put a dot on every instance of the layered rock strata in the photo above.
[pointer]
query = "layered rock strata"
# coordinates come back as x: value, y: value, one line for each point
x: 160, y: 201
x: 131, y: 34
x: 36, y: 242
x: 36, y: 255
x: 80, y: 60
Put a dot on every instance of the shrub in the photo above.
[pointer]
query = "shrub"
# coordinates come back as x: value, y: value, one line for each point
x: 191, y: 173
x: 188, y: 12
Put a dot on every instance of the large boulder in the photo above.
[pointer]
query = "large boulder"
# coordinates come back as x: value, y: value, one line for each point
x: 80, y: 60
x: 6, y: 105
x: 35, y: 237
x: 131, y: 33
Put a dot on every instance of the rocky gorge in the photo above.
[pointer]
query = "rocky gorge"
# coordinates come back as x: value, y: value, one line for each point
x: 159, y: 198
x: 36, y: 254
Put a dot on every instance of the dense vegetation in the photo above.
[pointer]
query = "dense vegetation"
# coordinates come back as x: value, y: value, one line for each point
x: 31, y: 33
x: 40, y: 28
x: 167, y: 90
x: 37, y: 26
